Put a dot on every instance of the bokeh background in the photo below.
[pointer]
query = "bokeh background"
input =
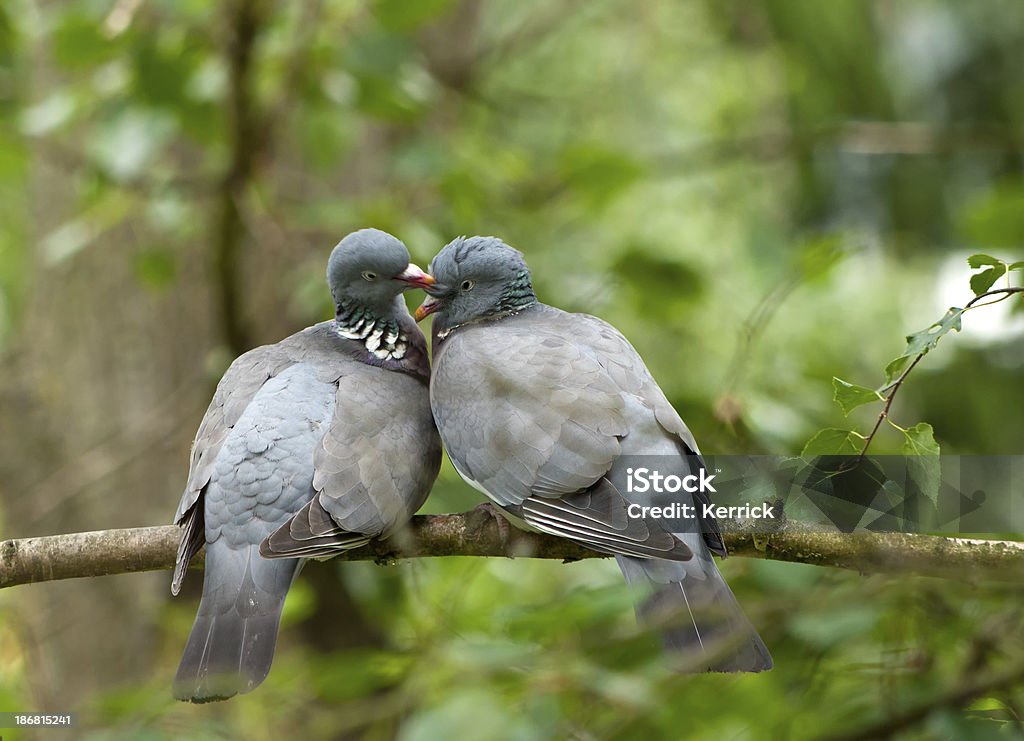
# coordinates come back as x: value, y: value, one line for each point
x: 760, y: 194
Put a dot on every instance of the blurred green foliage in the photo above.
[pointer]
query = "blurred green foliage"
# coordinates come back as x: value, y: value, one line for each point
x: 763, y: 196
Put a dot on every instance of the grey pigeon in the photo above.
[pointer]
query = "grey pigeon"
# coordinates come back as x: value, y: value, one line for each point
x: 332, y: 423
x: 543, y: 411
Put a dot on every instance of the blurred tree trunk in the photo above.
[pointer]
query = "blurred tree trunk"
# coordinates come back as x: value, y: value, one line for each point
x: 108, y: 378
x: 97, y: 444
x: 105, y: 383
x: 105, y: 387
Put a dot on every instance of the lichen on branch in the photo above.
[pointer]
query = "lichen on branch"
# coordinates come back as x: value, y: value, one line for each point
x: 475, y: 533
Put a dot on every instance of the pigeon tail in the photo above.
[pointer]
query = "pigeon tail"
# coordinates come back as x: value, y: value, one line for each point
x: 699, y: 619
x: 231, y: 646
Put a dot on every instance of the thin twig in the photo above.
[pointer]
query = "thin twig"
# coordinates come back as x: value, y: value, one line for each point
x: 891, y: 389
x: 1007, y: 292
x: 890, y: 395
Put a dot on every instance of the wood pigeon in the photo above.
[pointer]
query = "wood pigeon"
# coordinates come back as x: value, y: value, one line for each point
x: 332, y: 423
x: 543, y: 411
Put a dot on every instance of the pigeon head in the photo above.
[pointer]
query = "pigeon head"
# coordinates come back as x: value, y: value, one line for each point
x: 370, y: 269
x: 476, y: 277
x: 367, y: 273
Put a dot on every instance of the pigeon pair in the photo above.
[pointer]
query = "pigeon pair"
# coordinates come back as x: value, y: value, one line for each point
x: 327, y: 439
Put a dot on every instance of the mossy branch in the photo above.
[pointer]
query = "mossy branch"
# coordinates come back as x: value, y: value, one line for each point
x: 476, y: 533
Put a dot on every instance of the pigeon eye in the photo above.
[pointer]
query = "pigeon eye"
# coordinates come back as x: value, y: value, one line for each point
x: 369, y: 275
x: 467, y: 285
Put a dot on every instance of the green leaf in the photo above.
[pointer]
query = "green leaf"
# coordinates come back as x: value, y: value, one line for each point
x: 832, y: 441
x: 401, y: 15
x: 323, y: 138
x: 598, y: 173
x: 126, y: 145
x: 981, y: 282
x: 895, y: 368
x: 650, y: 277
x: 839, y: 626
x: 385, y: 98
x: 927, y: 339
x: 162, y: 66
x: 480, y: 708
x: 920, y: 440
x: 849, y: 396
x: 923, y: 459
x: 996, y: 218
x: 79, y: 42
x: 370, y: 670
x: 921, y: 342
x: 818, y: 257
x: 980, y: 260
x: 1016, y: 265
x: 79, y: 232
x: 156, y: 268
x: 49, y: 114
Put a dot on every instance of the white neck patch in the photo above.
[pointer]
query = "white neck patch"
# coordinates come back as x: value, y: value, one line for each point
x: 383, y: 342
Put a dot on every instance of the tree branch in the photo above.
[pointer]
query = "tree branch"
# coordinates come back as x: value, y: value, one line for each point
x: 476, y: 533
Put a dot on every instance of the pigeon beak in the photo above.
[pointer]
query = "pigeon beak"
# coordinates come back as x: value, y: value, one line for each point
x: 415, y: 277
x: 428, y: 307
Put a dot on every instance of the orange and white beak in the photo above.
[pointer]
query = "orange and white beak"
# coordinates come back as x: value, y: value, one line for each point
x: 415, y: 277
x: 429, y: 306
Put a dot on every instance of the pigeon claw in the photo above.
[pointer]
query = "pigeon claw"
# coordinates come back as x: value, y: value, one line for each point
x: 492, y: 512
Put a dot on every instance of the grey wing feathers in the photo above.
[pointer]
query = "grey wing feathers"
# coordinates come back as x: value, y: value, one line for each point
x: 597, y: 518
x: 372, y: 470
x: 191, y: 541
x: 236, y: 390
x: 524, y: 415
x: 630, y: 373
x: 540, y: 410
x: 535, y: 420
